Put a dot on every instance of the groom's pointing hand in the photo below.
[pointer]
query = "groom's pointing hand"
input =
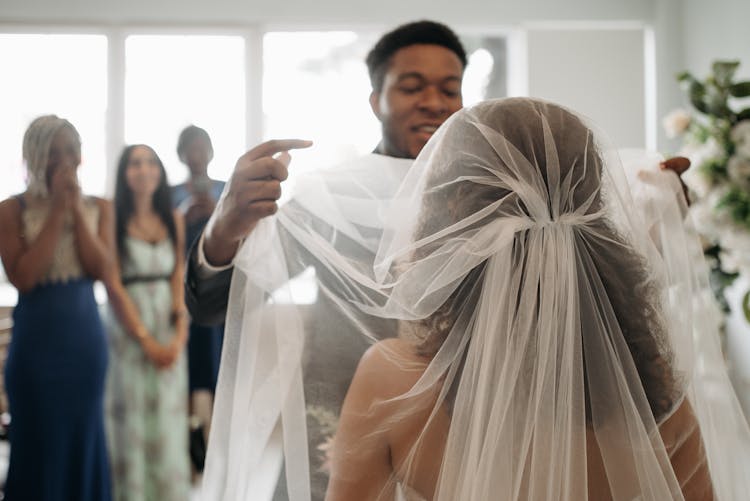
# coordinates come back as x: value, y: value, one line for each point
x: 250, y: 195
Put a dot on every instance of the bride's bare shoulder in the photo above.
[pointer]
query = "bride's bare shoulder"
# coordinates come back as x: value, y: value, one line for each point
x: 394, y: 353
x: 392, y: 365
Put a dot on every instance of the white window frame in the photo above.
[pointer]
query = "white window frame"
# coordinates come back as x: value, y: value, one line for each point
x: 253, y: 39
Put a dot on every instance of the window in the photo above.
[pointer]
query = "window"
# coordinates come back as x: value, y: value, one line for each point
x: 314, y: 85
x: 65, y: 75
x: 174, y: 81
x: 486, y: 74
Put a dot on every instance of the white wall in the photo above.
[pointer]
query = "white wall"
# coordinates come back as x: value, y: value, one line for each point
x: 668, y: 34
x: 716, y: 29
x: 686, y: 33
x: 597, y: 72
x: 388, y: 12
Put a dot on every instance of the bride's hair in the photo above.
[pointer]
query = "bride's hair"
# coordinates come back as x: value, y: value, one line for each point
x: 620, y: 270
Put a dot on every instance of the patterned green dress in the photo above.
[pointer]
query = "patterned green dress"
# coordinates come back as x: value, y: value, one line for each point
x: 146, y: 407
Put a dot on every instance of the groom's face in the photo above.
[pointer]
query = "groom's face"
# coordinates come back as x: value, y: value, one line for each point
x: 421, y: 89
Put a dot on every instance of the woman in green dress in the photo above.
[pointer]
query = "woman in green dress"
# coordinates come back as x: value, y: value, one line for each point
x: 147, y: 383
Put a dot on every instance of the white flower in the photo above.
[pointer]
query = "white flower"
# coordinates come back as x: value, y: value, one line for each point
x: 742, y: 150
x: 735, y: 239
x: 738, y: 169
x: 741, y: 132
x: 698, y: 182
x: 728, y: 262
x: 717, y: 193
x: 704, y: 220
x: 676, y: 122
x: 700, y: 153
x: 733, y: 261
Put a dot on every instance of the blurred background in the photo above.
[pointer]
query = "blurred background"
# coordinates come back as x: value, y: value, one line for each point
x: 140, y: 71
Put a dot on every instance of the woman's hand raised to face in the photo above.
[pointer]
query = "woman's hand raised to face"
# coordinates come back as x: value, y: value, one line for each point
x: 251, y: 194
x: 64, y: 188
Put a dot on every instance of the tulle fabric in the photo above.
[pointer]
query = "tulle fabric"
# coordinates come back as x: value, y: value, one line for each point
x: 552, y: 312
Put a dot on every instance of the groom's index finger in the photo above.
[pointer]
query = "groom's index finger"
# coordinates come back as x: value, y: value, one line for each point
x: 274, y: 146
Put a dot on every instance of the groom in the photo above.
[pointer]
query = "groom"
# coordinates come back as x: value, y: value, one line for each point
x: 416, y: 72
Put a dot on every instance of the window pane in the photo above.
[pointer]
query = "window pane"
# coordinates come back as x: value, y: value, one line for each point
x: 315, y: 86
x: 65, y: 75
x: 174, y: 81
x: 486, y: 73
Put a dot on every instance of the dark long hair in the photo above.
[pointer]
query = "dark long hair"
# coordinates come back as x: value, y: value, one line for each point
x: 124, y: 207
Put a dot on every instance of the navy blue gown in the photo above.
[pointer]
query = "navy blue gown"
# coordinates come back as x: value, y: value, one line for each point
x: 55, y: 377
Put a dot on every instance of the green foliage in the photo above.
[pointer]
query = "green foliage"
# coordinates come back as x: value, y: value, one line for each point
x: 716, y: 169
x: 711, y: 96
x: 743, y: 115
x: 737, y: 203
x: 724, y: 72
x: 719, y: 279
x: 715, y: 99
x: 741, y: 89
x: 746, y: 305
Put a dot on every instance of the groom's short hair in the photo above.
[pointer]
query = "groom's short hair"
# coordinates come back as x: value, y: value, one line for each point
x: 419, y: 32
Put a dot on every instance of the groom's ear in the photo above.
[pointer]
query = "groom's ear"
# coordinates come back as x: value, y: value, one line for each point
x: 375, y: 103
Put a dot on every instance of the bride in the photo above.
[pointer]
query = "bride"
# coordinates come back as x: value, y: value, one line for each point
x: 540, y: 330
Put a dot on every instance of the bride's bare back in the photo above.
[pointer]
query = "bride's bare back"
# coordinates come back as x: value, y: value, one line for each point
x: 389, y: 370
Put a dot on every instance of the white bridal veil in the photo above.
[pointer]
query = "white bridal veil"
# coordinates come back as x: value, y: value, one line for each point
x: 540, y: 329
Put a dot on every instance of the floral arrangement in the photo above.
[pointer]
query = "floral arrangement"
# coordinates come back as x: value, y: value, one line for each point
x: 716, y: 138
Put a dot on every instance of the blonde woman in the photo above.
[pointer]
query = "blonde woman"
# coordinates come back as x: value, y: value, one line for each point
x: 55, y: 243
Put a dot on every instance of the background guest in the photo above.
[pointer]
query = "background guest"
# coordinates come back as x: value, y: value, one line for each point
x: 196, y: 199
x: 147, y: 384
x: 55, y: 244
